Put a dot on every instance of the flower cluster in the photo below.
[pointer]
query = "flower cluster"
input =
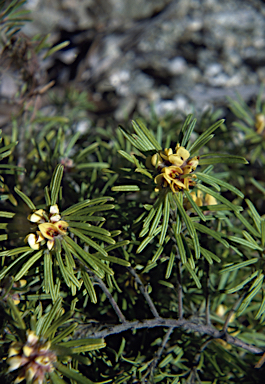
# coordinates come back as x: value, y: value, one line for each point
x: 50, y: 226
x: 201, y: 200
x: 33, y: 359
x: 14, y: 292
x: 173, y: 168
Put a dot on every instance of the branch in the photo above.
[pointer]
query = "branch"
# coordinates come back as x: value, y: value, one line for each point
x: 106, y: 291
x: 171, y: 323
x: 207, y: 294
x: 158, y: 354
x: 232, y: 312
x: 144, y: 292
x: 109, y: 296
x: 179, y: 290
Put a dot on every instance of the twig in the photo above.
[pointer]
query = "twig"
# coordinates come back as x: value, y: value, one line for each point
x: 109, y: 296
x: 231, y: 312
x: 158, y: 354
x: 106, y: 291
x: 179, y: 290
x: 208, y: 303
x: 203, y: 347
x: 172, y: 323
x: 144, y: 292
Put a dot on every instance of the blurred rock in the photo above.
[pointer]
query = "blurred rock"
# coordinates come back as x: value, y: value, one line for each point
x: 160, y: 51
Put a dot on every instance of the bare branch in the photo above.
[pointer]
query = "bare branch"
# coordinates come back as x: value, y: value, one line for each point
x: 158, y: 354
x: 109, y: 296
x: 231, y: 313
x: 171, y: 323
x: 179, y: 290
x: 144, y: 292
x: 207, y: 294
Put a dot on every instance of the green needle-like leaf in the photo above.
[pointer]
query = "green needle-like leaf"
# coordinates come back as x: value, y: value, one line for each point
x: 56, y: 183
x: 239, y: 265
x: 24, y: 269
x: 25, y: 198
x: 89, y: 287
x: 165, y: 222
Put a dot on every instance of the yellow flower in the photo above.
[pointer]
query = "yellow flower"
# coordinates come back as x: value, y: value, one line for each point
x: 156, y: 160
x: 182, y: 152
x: 50, y: 226
x: 54, y: 213
x: 32, y: 360
x: 9, y: 289
x: 172, y: 168
x: 210, y: 200
x: 201, y: 200
x: 51, y: 231
x: 260, y: 123
x: 37, y: 216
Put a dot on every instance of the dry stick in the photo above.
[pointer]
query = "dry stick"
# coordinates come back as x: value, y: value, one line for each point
x: 203, y: 347
x: 230, y: 314
x: 179, y: 290
x: 106, y: 291
x: 158, y: 354
x: 171, y: 323
x: 144, y: 292
x: 109, y: 296
x: 207, y: 307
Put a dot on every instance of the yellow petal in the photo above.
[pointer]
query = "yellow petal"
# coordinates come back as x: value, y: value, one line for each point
x: 175, y: 159
x: 40, y: 237
x: 22, y: 283
x: 62, y: 226
x: 49, y: 231
x: 221, y: 310
x: 156, y: 160
x: 187, y: 169
x: 30, y: 372
x: 19, y: 379
x: 32, y: 241
x: 32, y: 338
x: 14, y: 350
x: 15, y: 362
x: 210, y: 200
x: 45, y: 346
x: 168, y: 151
x: 55, y: 218
x: 193, y: 163
x: 159, y: 179
x: 200, y: 195
x: 54, y: 210
x: 27, y: 350
x: 179, y: 183
x: 186, y: 183
x: 37, y: 216
x: 170, y: 173
x: 43, y: 360
x: 50, y: 244
x: 182, y: 153
x: 260, y: 123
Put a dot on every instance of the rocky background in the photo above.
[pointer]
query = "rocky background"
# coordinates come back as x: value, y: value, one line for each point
x: 166, y: 55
